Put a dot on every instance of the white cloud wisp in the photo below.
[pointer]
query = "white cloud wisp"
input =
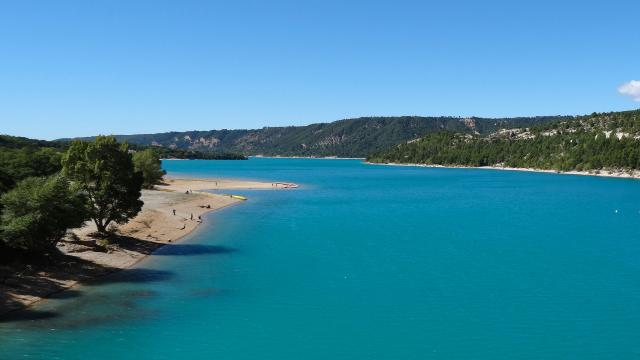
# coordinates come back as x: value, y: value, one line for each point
x: 631, y: 89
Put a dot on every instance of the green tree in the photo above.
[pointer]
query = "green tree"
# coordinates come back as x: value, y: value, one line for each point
x: 105, y: 172
x: 148, y: 163
x: 27, y: 162
x: 38, y: 212
x: 6, y: 182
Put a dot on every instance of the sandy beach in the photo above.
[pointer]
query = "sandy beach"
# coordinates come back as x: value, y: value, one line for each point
x: 634, y: 174
x: 84, y: 259
x: 195, y: 184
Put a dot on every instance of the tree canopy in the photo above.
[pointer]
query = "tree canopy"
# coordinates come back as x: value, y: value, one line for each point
x: 148, y: 163
x: 21, y: 163
x: 104, y: 170
x: 38, y: 212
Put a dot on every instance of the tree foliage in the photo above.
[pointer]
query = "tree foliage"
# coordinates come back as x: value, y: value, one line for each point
x: 148, y: 163
x: 38, y: 212
x: 21, y: 163
x: 105, y: 172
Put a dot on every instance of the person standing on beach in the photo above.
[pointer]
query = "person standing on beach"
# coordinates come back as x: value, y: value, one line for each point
x: 191, y: 216
x: 174, y: 212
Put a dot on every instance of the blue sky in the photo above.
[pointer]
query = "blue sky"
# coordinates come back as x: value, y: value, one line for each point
x: 74, y: 68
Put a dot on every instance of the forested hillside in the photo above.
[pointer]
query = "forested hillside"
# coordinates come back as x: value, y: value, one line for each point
x: 344, y: 138
x: 594, y: 142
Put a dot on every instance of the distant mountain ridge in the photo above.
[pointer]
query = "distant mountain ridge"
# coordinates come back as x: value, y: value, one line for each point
x: 359, y: 137
x: 8, y: 142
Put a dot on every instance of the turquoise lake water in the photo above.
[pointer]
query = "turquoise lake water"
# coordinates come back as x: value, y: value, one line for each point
x: 370, y: 262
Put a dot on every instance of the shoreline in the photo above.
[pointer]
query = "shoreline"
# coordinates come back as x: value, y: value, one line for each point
x: 82, y: 261
x: 307, y: 157
x: 68, y: 286
x: 635, y: 174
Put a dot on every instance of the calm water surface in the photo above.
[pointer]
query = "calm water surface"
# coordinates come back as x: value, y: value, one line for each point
x: 370, y: 262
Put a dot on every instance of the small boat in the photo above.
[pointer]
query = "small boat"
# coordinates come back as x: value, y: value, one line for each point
x: 239, y: 197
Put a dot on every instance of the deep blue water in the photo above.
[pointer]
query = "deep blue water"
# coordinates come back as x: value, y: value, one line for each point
x: 371, y: 262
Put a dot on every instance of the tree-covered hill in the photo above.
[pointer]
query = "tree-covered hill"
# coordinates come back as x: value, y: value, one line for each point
x: 17, y: 142
x: 593, y: 142
x: 21, y: 158
x: 344, y: 138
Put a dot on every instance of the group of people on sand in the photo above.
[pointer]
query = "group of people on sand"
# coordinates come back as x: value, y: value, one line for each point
x: 191, y: 217
x: 189, y: 191
x: 208, y: 206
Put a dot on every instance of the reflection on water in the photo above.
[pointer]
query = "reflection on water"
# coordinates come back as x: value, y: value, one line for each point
x: 117, y: 293
x: 133, y: 275
x: 193, y: 249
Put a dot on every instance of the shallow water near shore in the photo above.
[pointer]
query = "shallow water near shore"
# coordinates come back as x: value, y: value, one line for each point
x: 368, y: 261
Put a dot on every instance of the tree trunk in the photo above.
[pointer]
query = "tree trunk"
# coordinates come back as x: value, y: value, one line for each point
x: 102, y: 227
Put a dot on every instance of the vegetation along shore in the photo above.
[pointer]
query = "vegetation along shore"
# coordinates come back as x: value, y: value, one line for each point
x: 606, y: 144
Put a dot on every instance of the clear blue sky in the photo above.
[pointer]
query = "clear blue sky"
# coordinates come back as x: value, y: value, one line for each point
x: 74, y: 68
